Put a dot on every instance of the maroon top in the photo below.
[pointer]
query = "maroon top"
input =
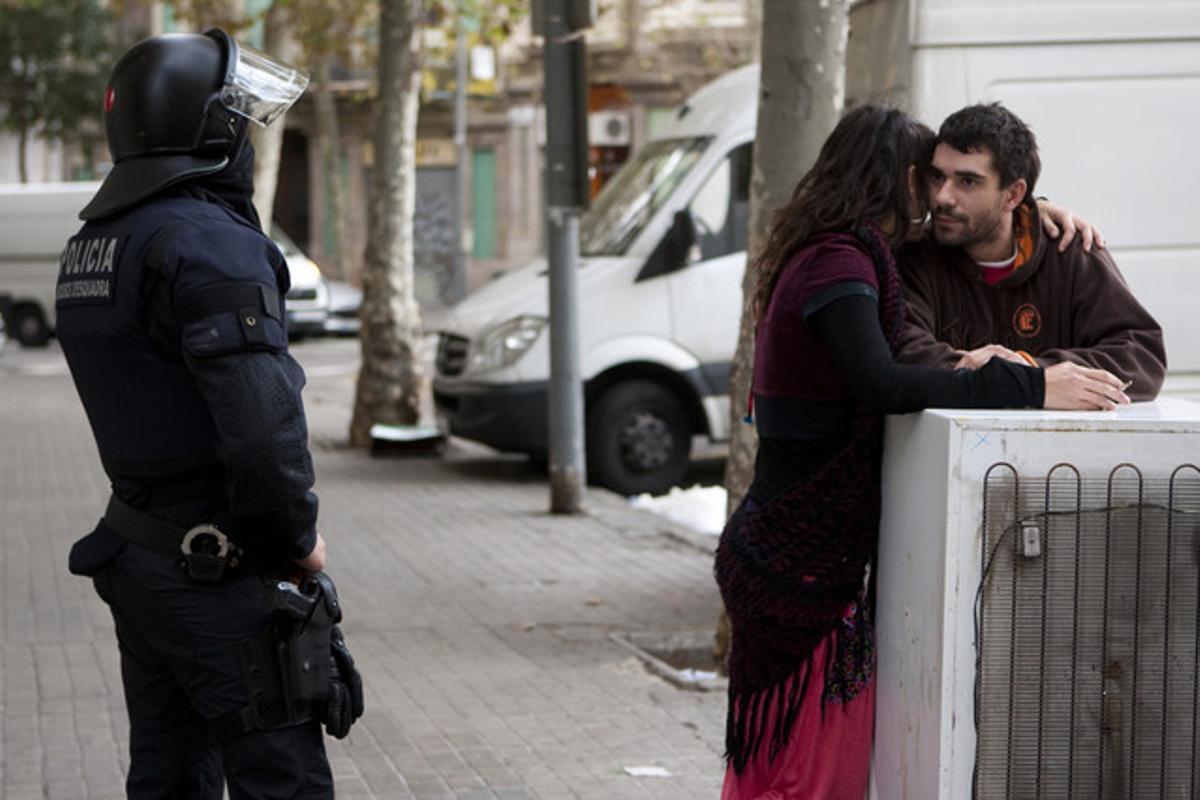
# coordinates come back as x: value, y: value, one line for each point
x: 789, y: 360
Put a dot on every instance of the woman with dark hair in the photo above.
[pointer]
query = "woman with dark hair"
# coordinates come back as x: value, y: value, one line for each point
x: 794, y: 560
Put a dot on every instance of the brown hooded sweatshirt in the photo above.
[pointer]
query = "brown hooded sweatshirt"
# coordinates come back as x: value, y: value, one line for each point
x: 1071, y: 306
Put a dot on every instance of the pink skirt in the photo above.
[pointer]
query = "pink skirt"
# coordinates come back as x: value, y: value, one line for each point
x: 827, y: 755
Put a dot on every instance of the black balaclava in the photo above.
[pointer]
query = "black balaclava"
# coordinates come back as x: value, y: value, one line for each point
x: 234, y: 185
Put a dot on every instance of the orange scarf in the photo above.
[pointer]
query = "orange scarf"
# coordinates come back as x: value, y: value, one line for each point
x: 1023, y: 234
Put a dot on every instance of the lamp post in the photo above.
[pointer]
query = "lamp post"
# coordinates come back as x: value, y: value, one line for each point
x: 566, y: 197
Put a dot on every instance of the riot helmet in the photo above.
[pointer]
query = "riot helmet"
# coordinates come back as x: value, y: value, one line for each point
x: 177, y: 107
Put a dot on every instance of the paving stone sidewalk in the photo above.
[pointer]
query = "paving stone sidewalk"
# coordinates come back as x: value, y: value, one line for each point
x: 482, y: 623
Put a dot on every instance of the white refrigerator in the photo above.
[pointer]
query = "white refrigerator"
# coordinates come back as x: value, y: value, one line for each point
x: 1085, y: 628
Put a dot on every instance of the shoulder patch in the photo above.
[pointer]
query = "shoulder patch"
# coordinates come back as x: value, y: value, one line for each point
x: 87, y: 270
x: 219, y: 319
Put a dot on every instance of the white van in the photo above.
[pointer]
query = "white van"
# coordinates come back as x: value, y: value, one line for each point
x: 36, y: 219
x: 1112, y: 90
x: 657, y: 322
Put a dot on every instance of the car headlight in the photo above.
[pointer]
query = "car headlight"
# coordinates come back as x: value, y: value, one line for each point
x: 504, y: 344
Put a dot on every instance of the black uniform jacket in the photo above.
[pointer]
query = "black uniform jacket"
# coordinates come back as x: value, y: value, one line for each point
x: 171, y: 316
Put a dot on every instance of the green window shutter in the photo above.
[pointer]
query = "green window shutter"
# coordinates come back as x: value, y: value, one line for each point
x: 483, y: 202
x: 659, y: 118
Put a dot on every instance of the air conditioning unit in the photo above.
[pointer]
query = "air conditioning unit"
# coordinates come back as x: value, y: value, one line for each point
x: 1038, y: 591
x: 609, y: 129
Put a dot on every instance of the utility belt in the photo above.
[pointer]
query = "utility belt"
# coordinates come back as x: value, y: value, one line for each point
x: 205, y: 552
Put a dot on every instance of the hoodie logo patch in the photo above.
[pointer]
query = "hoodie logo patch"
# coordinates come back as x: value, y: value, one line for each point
x: 1027, y: 321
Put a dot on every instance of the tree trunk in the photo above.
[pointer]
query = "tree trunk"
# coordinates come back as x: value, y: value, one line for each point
x: 278, y: 41
x: 329, y: 144
x: 754, y: 16
x: 391, y: 380
x: 631, y: 15
x: 800, y: 96
x: 22, y: 146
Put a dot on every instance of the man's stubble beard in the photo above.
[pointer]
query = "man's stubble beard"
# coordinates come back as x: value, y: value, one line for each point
x: 982, y: 229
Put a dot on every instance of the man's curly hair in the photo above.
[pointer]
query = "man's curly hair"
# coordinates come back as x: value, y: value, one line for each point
x: 992, y: 127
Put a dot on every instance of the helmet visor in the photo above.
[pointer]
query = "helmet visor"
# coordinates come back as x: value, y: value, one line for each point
x: 261, y: 88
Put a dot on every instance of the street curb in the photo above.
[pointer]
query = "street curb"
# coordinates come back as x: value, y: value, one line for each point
x: 676, y: 677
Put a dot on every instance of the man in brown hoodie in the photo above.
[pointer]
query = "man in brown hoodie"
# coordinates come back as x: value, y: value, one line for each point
x: 986, y: 281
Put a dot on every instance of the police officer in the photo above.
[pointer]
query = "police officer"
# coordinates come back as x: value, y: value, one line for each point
x: 171, y: 315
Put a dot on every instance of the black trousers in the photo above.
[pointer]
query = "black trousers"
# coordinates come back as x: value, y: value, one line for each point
x: 181, y: 665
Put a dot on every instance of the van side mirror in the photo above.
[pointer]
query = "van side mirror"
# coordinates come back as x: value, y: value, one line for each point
x: 677, y: 249
x: 687, y: 237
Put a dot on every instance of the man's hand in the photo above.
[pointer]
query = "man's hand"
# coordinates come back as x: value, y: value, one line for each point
x: 974, y: 359
x: 1054, y: 217
x: 1070, y: 387
x: 315, y: 561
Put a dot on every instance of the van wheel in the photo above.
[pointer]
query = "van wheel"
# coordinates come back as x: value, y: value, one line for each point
x: 29, y: 326
x: 638, y: 438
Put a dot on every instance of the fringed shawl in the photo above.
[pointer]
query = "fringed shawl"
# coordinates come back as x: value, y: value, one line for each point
x: 789, y: 571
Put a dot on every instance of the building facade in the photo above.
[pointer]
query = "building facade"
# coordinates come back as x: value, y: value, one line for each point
x: 644, y: 57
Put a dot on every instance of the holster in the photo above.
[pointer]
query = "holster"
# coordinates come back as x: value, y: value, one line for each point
x: 298, y: 669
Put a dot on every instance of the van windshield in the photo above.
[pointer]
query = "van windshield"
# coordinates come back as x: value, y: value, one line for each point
x: 635, y: 193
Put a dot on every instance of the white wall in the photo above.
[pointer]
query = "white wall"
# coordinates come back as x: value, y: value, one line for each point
x: 43, y: 160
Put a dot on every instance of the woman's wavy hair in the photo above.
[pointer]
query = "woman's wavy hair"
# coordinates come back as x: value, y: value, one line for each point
x: 860, y: 177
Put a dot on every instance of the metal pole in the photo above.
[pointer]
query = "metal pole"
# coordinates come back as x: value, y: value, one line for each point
x: 462, y: 189
x: 567, y: 467
x: 563, y: 106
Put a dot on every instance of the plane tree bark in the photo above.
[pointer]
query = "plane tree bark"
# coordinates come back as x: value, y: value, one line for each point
x: 279, y: 40
x: 392, y: 377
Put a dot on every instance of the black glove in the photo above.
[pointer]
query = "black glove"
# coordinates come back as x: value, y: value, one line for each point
x: 345, y: 703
